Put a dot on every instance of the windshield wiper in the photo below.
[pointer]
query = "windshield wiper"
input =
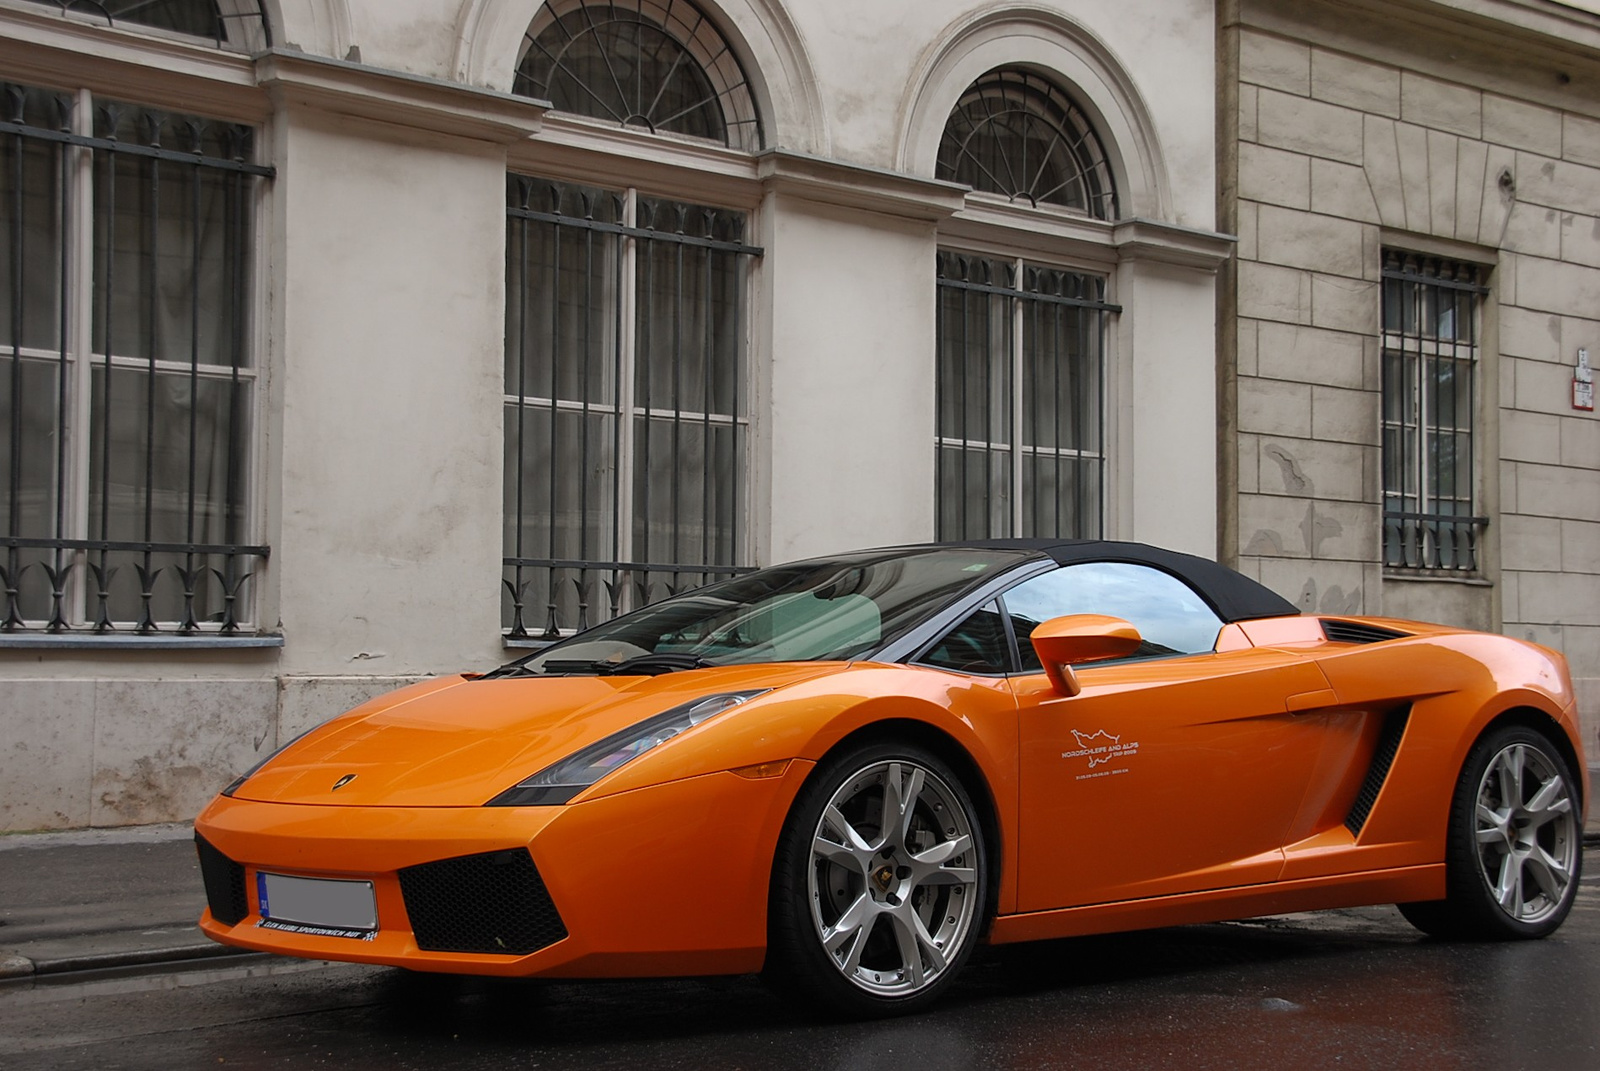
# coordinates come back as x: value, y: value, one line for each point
x: 653, y: 664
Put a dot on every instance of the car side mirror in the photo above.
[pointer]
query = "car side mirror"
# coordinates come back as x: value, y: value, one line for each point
x: 1064, y: 642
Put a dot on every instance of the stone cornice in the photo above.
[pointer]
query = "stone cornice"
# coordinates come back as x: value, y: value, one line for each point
x: 1046, y: 232
x: 39, y: 47
x: 295, y: 79
x: 867, y: 189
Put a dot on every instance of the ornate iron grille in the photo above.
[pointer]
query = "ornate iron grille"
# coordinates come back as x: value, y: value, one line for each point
x: 625, y: 413
x: 1019, y: 393
x: 1017, y: 134
x: 125, y: 378
x: 1430, y: 354
x: 234, y: 23
x: 657, y: 65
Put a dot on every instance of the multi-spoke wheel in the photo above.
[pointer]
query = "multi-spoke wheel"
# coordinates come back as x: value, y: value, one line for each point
x: 1514, y: 850
x: 880, y: 882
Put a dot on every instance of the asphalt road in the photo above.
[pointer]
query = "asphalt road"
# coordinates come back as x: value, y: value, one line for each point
x: 1350, y: 989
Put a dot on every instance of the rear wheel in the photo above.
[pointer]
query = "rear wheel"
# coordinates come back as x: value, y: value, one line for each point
x: 1514, y: 850
x: 879, y: 883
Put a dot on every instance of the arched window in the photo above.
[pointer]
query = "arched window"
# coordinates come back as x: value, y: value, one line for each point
x: 656, y: 65
x: 240, y: 23
x: 1015, y: 133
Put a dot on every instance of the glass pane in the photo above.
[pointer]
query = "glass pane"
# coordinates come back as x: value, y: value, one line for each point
x: 29, y: 403
x: 561, y: 287
x: 1016, y: 134
x: 172, y: 240
x: 560, y: 484
x: 1170, y: 617
x: 657, y: 65
x: 688, y: 335
x: 167, y: 457
x: 31, y: 220
x: 977, y: 645
x: 686, y: 492
x: 197, y: 17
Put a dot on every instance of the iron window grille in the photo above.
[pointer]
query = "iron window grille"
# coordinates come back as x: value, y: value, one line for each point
x: 126, y: 381
x: 1430, y: 357
x: 238, y: 24
x: 1017, y: 134
x: 1019, y: 393
x: 625, y: 416
x: 655, y: 65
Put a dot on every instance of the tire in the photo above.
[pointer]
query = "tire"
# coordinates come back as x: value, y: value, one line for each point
x: 1514, y: 852
x: 870, y: 918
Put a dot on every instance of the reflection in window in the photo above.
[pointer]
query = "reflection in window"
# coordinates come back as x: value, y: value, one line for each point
x: 977, y: 645
x: 1170, y: 617
x: 655, y: 65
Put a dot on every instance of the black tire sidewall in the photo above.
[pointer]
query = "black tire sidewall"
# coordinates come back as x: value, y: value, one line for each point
x: 796, y: 962
x: 1470, y: 893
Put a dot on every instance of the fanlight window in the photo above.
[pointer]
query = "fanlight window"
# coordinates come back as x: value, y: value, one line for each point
x: 237, y: 23
x: 1016, y: 134
x: 655, y: 65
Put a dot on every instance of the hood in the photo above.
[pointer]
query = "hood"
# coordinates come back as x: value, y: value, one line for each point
x: 459, y: 742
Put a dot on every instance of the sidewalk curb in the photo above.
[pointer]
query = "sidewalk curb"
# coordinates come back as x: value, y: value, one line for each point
x: 13, y: 966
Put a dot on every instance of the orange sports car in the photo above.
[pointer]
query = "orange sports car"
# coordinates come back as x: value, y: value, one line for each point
x: 849, y: 771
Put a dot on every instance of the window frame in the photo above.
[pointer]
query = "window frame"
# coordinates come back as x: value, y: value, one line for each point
x: 1023, y: 305
x: 1412, y: 539
x: 622, y: 583
x: 80, y: 586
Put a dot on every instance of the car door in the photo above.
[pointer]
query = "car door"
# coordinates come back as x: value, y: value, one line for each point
x: 1177, y: 770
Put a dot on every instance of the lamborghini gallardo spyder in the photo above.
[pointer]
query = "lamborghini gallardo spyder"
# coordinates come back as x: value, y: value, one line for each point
x: 848, y: 772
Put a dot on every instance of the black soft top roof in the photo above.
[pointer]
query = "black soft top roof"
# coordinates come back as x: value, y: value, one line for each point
x: 1234, y: 597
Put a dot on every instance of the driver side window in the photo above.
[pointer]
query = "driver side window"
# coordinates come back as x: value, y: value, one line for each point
x: 1170, y: 617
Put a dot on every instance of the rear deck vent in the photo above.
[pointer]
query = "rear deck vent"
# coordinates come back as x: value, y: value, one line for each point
x: 493, y: 902
x: 1394, y: 728
x: 1357, y: 632
x: 224, y: 880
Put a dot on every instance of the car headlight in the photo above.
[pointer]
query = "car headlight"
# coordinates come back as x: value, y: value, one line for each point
x: 559, y: 782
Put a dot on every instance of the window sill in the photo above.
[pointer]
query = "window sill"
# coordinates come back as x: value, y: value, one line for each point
x: 1473, y: 580
x: 90, y: 641
x: 527, y: 643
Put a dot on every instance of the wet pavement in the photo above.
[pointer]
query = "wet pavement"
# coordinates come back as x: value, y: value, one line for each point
x: 1348, y: 989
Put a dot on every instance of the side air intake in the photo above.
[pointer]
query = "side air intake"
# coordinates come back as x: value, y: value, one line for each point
x: 1394, y: 728
x: 1357, y: 632
x: 493, y: 902
x: 224, y: 880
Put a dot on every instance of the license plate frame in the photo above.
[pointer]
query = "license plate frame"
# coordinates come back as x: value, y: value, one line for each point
x: 330, y: 907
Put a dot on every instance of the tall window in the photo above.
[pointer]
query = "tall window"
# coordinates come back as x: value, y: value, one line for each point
x: 625, y: 418
x: 1015, y: 133
x: 126, y: 379
x: 238, y: 24
x: 655, y: 65
x: 1019, y: 387
x: 1430, y: 355
x: 625, y: 414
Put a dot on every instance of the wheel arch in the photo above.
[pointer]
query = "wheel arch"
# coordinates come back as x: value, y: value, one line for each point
x: 1541, y: 722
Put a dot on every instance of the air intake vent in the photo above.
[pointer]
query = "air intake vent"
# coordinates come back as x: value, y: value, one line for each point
x: 224, y: 883
x: 494, y: 903
x: 1394, y: 728
x: 1357, y: 632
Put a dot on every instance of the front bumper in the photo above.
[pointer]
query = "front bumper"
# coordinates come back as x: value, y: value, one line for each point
x: 666, y: 880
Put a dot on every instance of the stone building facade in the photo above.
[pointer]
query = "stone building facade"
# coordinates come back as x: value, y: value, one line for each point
x: 1416, y: 191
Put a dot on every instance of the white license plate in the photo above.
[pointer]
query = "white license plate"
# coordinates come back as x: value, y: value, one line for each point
x: 318, y: 903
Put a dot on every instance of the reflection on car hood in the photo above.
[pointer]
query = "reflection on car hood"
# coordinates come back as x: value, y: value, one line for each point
x: 458, y: 742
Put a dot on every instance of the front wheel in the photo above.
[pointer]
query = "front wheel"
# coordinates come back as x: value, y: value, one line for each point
x: 879, y: 883
x: 1514, y: 850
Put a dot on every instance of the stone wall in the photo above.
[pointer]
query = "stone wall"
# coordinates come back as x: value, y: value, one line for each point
x: 1386, y: 126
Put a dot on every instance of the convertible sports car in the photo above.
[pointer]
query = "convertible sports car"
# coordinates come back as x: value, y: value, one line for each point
x: 849, y: 771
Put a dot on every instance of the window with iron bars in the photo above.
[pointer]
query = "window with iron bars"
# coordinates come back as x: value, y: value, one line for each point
x: 126, y: 381
x: 1430, y: 358
x: 233, y: 24
x: 625, y: 414
x: 1019, y: 391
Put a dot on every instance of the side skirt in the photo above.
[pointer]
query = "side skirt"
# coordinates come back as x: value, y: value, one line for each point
x: 1394, y: 886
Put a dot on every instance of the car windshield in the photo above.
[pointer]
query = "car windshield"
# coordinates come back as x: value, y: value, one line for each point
x: 819, y: 610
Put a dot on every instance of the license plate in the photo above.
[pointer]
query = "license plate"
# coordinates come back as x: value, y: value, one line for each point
x: 317, y: 905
